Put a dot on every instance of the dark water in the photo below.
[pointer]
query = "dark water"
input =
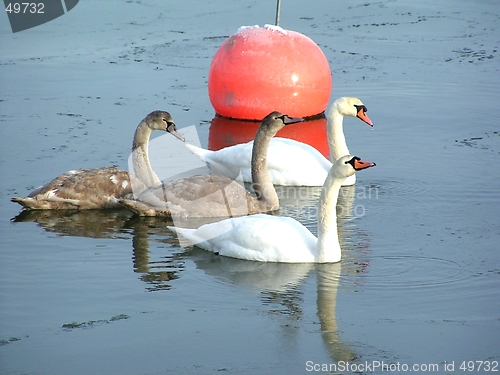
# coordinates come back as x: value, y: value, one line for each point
x: 106, y: 293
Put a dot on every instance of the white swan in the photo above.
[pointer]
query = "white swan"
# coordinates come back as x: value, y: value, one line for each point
x: 216, y: 195
x: 100, y: 188
x: 291, y: 162
x: 268, y: 238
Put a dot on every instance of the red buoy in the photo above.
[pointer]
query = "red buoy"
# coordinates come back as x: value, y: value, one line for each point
x: 263, y: 69
x: 226, y: 132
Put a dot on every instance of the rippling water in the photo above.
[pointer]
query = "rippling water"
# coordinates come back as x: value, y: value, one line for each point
x: 106, y: 293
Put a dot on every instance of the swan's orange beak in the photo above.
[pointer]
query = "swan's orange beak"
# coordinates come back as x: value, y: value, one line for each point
x: 359, y: 164
x: 363, y: 116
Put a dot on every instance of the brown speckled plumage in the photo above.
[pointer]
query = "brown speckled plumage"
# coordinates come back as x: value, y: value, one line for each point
x: 196, y: 197
x: 98, y: 188
x: 80, y: 189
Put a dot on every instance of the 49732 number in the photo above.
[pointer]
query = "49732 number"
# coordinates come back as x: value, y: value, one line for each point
x: 25, y: 8
x: 479, y: 366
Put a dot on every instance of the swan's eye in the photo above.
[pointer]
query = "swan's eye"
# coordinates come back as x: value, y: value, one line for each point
x: 353, y: 160
x: 360, y: 108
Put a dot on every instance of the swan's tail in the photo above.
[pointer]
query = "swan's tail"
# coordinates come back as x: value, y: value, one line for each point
x: 189, y: 237
x: 198, y: 151
x: 217, y: 167
x: 46, y: 204
x: 29, y: 203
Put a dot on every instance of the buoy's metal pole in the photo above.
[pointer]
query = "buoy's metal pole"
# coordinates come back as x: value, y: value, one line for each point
x: 278, y: 6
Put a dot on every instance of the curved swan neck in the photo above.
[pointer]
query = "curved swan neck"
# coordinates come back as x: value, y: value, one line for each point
x: 140, y: 158
x: 335, y: 132
x: 261, y: 180
x: 328, y: 247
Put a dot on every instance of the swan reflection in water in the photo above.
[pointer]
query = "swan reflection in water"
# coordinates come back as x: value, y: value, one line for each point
x: 120, y: 225
x: 278, y: 285
x: 84, y: 223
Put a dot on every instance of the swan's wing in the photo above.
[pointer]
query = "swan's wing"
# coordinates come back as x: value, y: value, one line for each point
x: 225, y: 169
x: 290, y: 147
x: 289, y: 162
x: 81, y: 189
x: 232, y: 160
x: 259, y: 237
x: 295, y: 163
x: 219, y: 162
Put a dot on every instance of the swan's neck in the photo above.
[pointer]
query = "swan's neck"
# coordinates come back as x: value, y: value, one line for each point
x: 328, y: 247
x: 261, y: 181
x: 336, y: 138
x: 140, y: 158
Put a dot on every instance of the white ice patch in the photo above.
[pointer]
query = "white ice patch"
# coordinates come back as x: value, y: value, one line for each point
x: 275, y: 28
x: 124, y: 184
x: 247, y: 27
x: 267, y: 26
x: 113, y: 179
